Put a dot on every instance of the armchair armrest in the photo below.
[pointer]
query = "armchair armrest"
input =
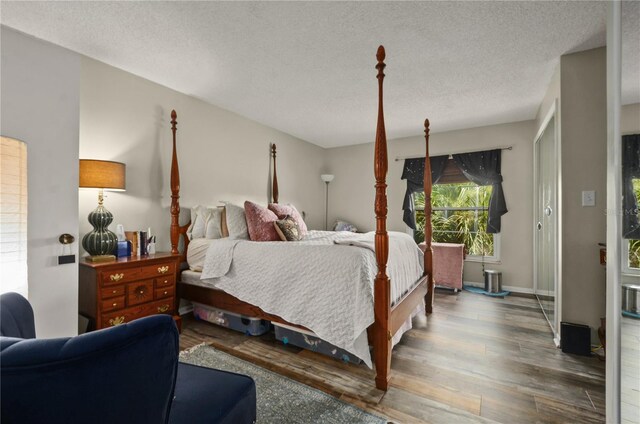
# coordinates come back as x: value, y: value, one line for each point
x: 16, y: 317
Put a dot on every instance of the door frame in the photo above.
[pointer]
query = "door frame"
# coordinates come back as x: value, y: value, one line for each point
x: 614, y: 220
x: 553, y: 112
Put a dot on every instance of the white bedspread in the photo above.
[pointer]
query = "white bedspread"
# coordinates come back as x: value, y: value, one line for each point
x: 320, y: 282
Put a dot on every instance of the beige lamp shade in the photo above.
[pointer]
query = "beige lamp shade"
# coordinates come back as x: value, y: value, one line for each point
x: 103, y: 174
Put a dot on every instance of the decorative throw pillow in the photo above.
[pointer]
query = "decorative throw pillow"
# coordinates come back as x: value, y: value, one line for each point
x: 283, y: 210
x: 288, y: 229
x: 198, y: 227
x: 260, y: 222
x: 236, y: 221
x: 344, y: 226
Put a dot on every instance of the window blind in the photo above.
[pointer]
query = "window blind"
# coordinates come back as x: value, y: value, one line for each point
x: 13, y: 216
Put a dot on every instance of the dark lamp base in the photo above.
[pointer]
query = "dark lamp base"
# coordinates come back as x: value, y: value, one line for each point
x: 100, y: 258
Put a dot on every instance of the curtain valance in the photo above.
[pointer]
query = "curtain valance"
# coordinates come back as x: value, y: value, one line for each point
x: 482, y: 168
x: 413, y: 172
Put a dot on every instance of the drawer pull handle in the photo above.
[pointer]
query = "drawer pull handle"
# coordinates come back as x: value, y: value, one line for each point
x: 116, y: 321
x: 116, y: 277
x: 115, y: 291
x: 165, y: 292
x: 115, y: 304
x: 141, y: 291
x: 163, y: 269
x: 163, y: 308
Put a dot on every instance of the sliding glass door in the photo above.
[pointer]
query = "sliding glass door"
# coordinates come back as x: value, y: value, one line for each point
x: 545, y: 221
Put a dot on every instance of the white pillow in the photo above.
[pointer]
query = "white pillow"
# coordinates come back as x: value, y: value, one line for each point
x: 199, y: 218
x: 213, y: 230
x: 236, y: 222
x: 197, y: 252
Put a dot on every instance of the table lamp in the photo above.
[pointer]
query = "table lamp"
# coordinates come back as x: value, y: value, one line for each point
x: 103, y: 175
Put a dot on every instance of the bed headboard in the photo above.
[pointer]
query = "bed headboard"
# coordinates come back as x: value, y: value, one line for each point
x: 178, y: 230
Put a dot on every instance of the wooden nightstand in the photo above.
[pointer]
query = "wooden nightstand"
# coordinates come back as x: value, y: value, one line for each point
x: 112, y: 293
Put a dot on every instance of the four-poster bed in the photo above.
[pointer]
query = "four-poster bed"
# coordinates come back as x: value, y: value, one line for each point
x: 389, y: 313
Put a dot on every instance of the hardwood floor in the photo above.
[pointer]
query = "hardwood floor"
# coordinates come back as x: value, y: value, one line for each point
x: 475, y: 360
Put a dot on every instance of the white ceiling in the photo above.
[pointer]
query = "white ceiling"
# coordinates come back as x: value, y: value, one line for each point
x: 307, y: 68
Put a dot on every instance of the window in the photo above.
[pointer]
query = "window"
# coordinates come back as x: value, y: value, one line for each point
x: 460, y: 213
x: 631, y: 248
x: 13, y: 216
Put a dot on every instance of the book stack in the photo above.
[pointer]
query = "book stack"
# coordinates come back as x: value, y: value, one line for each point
x: 139, y: 242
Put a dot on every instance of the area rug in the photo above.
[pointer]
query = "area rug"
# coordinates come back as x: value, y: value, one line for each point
x: 280, y: 399
x: 473, y: 289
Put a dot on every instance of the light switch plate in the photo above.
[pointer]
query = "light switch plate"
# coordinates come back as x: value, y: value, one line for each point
x: 588, y: 198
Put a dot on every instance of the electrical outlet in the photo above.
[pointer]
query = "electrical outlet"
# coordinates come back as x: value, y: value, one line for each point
x: 588, y: 198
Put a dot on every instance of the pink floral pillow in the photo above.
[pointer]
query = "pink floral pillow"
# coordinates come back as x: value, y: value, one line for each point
x: 283, y: 210
x: 260, y: 222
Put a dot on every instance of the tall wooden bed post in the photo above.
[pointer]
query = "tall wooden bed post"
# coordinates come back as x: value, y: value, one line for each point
x: 428, y: 252
x: 382, y: 291
x: 274, y: 182
x: 175, y: 190
x: 388, y: 319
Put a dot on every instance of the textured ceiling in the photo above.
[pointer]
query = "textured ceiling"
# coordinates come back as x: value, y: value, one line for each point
x: 307, y: 68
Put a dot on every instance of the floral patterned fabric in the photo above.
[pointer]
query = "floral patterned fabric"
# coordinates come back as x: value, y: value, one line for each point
x: 344, y: 226
x: 283, y: 210
x: 288, y: 229
x: 260, y: 222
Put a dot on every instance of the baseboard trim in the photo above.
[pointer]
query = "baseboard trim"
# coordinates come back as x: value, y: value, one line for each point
x: 513, y: 289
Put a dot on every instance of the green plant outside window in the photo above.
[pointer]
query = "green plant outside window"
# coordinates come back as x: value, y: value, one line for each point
x: 460, y: 213
x: 633, y: 259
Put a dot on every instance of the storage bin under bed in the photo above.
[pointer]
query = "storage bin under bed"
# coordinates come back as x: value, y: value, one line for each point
x: 246, y: 325
x: 309, y: 341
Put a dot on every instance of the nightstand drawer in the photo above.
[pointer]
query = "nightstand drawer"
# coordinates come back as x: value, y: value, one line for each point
x: 126, y: 315
x: 165, y: 281
x: 166, y: 268
x: 113, y: 291
x: 113, y: 304
x: 139, y: 292
x: 161, y: 293
x: 120, y: 276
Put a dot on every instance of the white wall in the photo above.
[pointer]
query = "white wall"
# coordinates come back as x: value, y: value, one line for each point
x: 630, y: 119
x: 352, y: 193
x: 579, y: 86
x: 584, y: 154
x: 39, y: 101
x: 222, y: 156
x: 552, y: 94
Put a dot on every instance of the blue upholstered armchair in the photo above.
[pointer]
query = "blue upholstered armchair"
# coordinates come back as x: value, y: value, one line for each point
x: 125, y: 374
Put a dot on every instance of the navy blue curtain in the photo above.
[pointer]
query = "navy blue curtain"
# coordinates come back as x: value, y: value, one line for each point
x: 483, y: 168
x: 630, y: 170
x: 413, y: 172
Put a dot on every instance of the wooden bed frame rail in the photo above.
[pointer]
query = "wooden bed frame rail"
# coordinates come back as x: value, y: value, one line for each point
x: 388, y: 319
